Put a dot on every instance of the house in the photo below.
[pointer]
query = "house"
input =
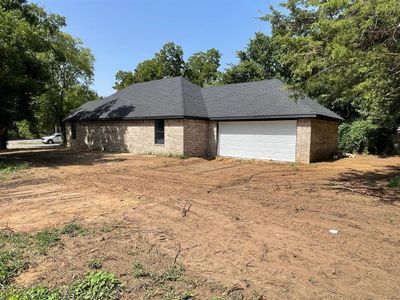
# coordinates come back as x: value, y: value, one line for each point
x: 254, y: 120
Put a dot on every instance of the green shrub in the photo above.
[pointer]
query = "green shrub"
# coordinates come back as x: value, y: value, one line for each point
x: 11, y: 263
x: 95, y: 286
x: 394, y: 182
x: 24, y: 129
x: 359, y: 136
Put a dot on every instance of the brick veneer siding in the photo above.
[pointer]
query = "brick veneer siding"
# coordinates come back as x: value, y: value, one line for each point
x: 136, y: 136
x: 186, y: 136
x: 316, y: 140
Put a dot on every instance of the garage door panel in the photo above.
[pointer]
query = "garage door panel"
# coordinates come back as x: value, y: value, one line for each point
x: 275, y: 140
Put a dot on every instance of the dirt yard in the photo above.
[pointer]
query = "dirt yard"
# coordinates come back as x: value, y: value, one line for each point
x: 262, y: 226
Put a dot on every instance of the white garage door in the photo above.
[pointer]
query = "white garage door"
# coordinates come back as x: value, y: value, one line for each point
x: 275, y: 140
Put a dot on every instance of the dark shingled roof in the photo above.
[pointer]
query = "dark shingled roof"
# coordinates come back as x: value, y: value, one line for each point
x: 178, y: 98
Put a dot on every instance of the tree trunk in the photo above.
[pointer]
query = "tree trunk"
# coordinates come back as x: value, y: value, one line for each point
x: 3, y: 138
x: 61, y: 126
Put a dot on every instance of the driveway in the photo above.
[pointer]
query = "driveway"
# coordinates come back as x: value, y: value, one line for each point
x: 30, y: 144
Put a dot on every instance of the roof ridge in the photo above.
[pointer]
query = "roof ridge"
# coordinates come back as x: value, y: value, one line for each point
x: 237, y: 83
x: 183, y: 97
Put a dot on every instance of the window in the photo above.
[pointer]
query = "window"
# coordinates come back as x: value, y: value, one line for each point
x: 159, y: 132
x: 73, y: 130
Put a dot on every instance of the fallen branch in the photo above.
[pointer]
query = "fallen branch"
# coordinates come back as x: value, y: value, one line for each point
x: 235, y: 288
x: 177, y: 255
x: 186, y: 208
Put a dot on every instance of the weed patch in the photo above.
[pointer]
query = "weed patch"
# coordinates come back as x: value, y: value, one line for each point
x: 173, y: 273
x: 73, y: 229
x: 139, y: 270
x: 94, y: 286
x: 394, y: 182
x: 11, y: 264
x: 8, y: 167
x: 47, y: 239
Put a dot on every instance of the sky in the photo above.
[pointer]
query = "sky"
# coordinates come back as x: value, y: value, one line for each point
x: 122, y: 33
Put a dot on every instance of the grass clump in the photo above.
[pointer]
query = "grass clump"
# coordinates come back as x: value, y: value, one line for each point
x: 47, y: 239
x: 173, y: 273
x: 50, y: 238
x: 73, y: 229
x: 13, y: 166
x: 394, y: 182
x: 139, y: 270
x: 9, y: 167
x: 11, y: 264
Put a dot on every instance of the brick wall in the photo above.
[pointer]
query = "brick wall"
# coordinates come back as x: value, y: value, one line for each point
x: 316, y: 140
x: 135, y: 136
x: 303, y: 140
x: 324, y: 140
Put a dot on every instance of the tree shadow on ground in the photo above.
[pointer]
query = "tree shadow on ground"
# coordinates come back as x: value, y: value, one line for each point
x: 59, y: 157
x: 372, y: 183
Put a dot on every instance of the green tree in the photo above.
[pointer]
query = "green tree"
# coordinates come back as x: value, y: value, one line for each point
x: 168, y: 62
x: 123, y: 79
x: 245, y: 71
x: 171, y: 59
x: 259, y: 60
x: 202, y: 67
x: 25, y: 36
x: 344, y: 53
x: 71, y: 72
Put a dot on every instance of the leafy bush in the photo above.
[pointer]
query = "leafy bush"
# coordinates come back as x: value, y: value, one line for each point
x: 11, y: 263
x: 96, y: 285
x: 23, y: 129
x: 359, y: 136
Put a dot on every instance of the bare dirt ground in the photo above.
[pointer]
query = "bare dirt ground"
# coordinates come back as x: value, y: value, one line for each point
x: 261, y: 225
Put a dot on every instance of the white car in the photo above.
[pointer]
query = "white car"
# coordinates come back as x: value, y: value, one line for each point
x: 54, y: 138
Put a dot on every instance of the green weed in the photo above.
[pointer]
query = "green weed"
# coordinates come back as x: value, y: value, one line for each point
x: 173, y: 273
x: 95, y: 286
x: 73, y: 229
x: 394, y: 182
x: 139, y: 270
x: 11, y: 263
x: 47, y: 239
x: 13, y: 166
